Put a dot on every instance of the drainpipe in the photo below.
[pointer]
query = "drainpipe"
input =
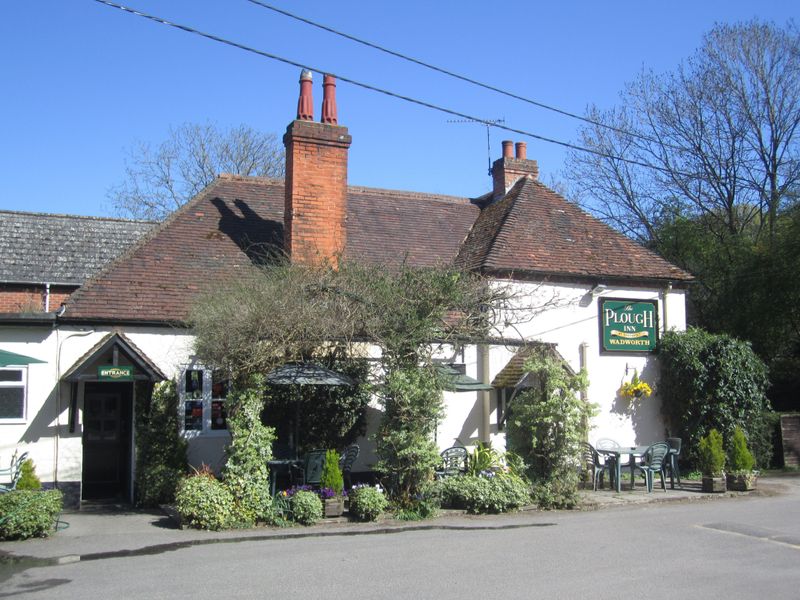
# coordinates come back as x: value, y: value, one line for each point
x: 664, y: 295
x: 486, y: 399
x: 46, y: 297
x: 583, y: 359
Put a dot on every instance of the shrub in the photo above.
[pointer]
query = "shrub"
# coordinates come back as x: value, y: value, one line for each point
x: 560, y: 491
x: 740, y: 459
x: 486, y: 494
x: 546, y: 425
x: 412, y: 401
x: 306, y: 507
x: 331, y: 473
x: 28, y: 479
x: 712, y: 382
x: 246, y: 472
x: 710, y: 455
x: 26, y: 513
x: 160, y: 449
x: 366, y: 503
x: 204, y: 503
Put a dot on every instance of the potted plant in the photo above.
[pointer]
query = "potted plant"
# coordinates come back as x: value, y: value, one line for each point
x: 635, y: 388
x: 741, y: 477
x: 332, y: 484
x: 711, y: 460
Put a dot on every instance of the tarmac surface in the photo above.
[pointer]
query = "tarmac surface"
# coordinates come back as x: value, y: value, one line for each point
x: 103, y: 531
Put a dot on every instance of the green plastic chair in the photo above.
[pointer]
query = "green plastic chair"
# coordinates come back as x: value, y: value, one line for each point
x: 346, y: 461
x: 15, y: 472
x: 454, y: 462
x: 655, y: 460
x: 313, y: 464
x: 591, y: 461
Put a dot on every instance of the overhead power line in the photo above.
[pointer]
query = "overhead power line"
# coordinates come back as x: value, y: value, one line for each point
x: 449, y: 73
x: 373, y: 88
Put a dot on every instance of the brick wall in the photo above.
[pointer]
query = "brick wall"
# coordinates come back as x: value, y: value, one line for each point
x: 16, y: 298
x: 316, y: 191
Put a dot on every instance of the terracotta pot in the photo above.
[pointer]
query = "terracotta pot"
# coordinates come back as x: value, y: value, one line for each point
x: 334, y: 507
x: 741, y: 483
x: 713, y: 484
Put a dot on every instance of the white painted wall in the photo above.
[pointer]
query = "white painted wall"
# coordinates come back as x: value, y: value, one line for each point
x: 574, y: 322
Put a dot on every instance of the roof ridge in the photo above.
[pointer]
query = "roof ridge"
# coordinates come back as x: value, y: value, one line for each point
x: 68, y: 216
x: 360, y: 189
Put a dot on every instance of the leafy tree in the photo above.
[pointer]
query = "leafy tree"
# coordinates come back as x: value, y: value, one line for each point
x: 545, y: 427
x: 713, y: 382
x: 246, y: 472
x: 715, y: 192
x: 160, y: 449
x: 161, y: 179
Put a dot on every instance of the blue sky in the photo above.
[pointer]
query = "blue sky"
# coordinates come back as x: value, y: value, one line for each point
x: 82, y: 83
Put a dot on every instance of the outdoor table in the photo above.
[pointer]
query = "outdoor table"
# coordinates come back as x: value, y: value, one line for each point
x: 280, y: 465
x: 633, y: 451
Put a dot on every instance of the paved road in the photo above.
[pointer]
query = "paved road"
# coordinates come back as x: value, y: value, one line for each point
x: 732, y: 548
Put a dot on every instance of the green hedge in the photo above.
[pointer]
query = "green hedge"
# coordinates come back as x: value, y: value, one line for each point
x: 205, y: 503
x: 26, y: 513
x: 480, y: 495
x: 366, y: 503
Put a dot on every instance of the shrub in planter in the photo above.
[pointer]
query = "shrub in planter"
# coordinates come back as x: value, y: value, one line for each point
x: 28, y: 513
x: 492, y: 493
x: 306, y: 507
x: 205, y: 503
x: 28, y: 479
x: 711, y: 460
x: 366, y: 503
x: 740, y: 477
x: 331, y: 473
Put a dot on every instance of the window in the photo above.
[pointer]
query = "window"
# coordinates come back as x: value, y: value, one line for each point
x: 12, y: 395
x: 204, y: 393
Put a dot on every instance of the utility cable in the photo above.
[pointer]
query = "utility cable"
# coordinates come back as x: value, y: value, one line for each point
x: 373, y: 88
x: 449, y: 73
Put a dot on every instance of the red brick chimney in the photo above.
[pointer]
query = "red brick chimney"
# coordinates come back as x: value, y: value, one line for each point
x: 315, y: 210
x: 508, y: 169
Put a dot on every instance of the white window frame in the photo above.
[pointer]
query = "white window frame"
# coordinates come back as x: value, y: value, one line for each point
x: 206, y: 398
x: 23, y: 383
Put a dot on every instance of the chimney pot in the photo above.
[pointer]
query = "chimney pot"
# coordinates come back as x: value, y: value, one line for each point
x: 522, y: 150
x: 329, y: 100
x: 508, y: 149
x: 305, y: 104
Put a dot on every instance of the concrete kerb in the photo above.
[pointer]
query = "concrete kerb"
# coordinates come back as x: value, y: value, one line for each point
x: 118, y: 534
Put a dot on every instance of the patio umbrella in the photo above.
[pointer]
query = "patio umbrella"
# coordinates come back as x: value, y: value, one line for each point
x: 305, y: 373
x: 456, y: 380
x: 12, y: 358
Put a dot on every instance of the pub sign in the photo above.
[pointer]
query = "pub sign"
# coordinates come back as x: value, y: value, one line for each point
x: 628, y: 325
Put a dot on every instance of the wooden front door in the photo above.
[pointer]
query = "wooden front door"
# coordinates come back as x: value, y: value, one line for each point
x: 107, y: 417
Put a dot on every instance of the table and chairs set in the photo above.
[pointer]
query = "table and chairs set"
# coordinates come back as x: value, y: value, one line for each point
x: 308, y: 469
x: 607, y: 456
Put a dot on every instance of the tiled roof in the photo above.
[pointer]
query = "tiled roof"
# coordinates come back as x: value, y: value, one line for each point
x: 46, y: 248
x: 533, y: 230
x: 236, y: 220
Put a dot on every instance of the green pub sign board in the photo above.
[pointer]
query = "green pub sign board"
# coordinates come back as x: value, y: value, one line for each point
x: 628, y: 325
x: 112, y: 373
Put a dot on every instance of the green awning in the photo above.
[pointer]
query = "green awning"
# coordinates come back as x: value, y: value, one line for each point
x: 12, y: 358
x: 461, y: 382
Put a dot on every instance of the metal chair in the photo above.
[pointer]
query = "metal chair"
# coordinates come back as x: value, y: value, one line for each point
x: 311, y: 471
x: 14, y: 471
x: 654, y: 460
x: 591, y: 461
x: 674, y: 452
x: 346, y: 461
x: 454, y: 462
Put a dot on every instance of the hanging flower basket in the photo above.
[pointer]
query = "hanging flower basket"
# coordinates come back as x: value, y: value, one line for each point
x: 635, y: 388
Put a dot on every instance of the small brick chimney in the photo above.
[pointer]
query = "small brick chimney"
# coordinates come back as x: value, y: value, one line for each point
x: 510, y: 168
x: 315, y: 209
